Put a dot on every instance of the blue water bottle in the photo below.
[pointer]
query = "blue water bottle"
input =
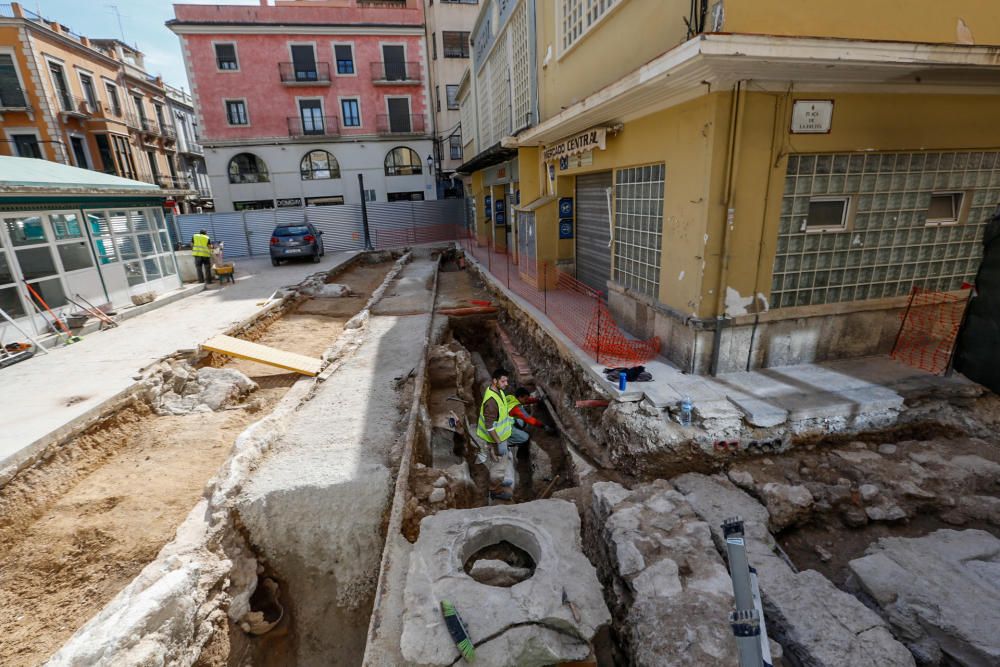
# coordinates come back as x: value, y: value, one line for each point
x: 622, y: 380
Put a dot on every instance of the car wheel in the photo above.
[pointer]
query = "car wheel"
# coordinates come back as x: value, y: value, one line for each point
x: 275, y: 262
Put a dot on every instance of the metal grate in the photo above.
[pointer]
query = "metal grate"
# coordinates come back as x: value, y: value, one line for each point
x: 521, y: 67
x: 887, y: 246
x: 639, y: 228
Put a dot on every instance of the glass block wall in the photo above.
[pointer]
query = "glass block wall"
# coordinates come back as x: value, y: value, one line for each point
x: 887, y: 246
x: 639, y: 228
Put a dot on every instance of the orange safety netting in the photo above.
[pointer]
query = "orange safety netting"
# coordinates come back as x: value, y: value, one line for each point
x: 576, y: 309
x: 929, y: 329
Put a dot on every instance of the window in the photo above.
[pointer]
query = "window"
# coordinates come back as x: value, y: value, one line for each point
x: 79, y: 152
x: 123, y: 150
x: 399, y: 114
x: 11, y: 95
x: 116, y: 105
x: 638, y: 230
x: 139, y: 109
x: 394, y: 57
x: 248, y: 168
x: 26, y: 145
x: 255, y: 205
x: 62, y: 88
x: 434, y: 46
x: 335, y: 200
x: 945, y: 208
x: 579, y: 16
x: 351, y: 113
x: 304, y: 62
x: 311, y: 113
x: 154, y: 167
x: 344, y: 53
x: 319, y: 165
x: 370, y: 195
x: 452, y: 94
x: 455, y: 146
x: 826, y: 214
x: 89, y: 94
x: 236, y: 112
x: 437, y: 97
x: 405, y: 196
x: 225, y: 57
x: 104, y: 151
x: 403, y: 161
x: 456, y: 44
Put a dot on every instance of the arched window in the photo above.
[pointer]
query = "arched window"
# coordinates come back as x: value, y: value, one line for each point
x: 319, y: 165
x: 247, y: 168
x: 402, y: 161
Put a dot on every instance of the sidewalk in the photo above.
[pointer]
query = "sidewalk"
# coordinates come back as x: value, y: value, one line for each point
x: 849, y: 390
x: 45, y: 394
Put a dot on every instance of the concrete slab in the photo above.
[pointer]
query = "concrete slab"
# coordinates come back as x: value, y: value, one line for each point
x: 315, y: 505
x: 758, y: 412
x: 53, y: 391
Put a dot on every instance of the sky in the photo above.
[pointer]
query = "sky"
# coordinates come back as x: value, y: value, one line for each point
x: 141, y: 21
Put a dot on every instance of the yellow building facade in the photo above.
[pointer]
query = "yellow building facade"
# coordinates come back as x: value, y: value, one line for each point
x: 761, y: 185
x: 82, y: 102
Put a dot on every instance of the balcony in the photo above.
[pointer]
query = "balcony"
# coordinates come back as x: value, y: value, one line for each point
x: 396, y: 74
x: 174, y: 183
x: 192, y: 148
x: 304, y: 75
x: 169, y: 133
x: 313, y: 126
x: 132, y: 120
x: 150, y: 126
x: 74, y: 106
x: 399, y: 124
x: 102, y: 110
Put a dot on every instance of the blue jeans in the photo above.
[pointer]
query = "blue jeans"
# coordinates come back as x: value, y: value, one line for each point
x: 517, y: 437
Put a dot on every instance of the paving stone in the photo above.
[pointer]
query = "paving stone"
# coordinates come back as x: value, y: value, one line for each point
x: 760, y: 413
x: 939, y: 591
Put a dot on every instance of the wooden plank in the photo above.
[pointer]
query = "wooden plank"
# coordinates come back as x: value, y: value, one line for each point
x: 244, y: 349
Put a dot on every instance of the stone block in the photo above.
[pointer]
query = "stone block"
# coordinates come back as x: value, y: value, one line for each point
x: 760, y: 413
x: 524, y: 624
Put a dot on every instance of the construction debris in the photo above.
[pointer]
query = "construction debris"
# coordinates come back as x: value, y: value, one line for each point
x: 180, y: 389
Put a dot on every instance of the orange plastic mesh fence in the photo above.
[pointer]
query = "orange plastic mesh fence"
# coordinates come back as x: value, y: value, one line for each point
x: 929, y: 328
x: 575, y: 308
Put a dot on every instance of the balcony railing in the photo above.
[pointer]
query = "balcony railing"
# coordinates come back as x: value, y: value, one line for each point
x: 132, y: 120
x: 396, y: 73
x: 313, y: 126
x: 74, y: 106
x: 103, y: 110
x: 169, y: 133
x: 174, y: 183
x: 315, y: 75
x: 193, y: 148
x: 400, y: 124
x: 150, y: 126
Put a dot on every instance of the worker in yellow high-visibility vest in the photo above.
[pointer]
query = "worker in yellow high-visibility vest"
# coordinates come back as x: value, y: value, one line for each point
x: 201, y: 250
x: 496, y: 426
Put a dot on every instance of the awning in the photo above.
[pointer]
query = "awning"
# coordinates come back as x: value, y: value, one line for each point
x: 495, y: 154
x: 713, y: 62
x: 536, y: 204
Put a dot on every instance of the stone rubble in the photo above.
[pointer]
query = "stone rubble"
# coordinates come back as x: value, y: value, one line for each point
x: 939, y: 592
x: 817, y: 624
x: 661, y: 564
x: 525, y: 625
x: 180, y: 389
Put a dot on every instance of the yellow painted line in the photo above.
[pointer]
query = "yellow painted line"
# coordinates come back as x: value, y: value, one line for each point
x: 244, y: 349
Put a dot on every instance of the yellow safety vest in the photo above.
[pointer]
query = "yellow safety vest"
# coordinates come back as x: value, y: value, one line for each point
x: 199, y: 246
x: 512, y: 402
x: 504, y: 423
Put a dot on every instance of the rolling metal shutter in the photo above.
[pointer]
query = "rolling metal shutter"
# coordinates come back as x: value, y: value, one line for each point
x: 593, y: 230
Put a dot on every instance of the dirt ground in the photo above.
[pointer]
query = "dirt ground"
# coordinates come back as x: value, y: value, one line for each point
x: 104, y: 507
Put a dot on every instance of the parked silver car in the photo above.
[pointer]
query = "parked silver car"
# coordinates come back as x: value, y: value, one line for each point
x: 299, y: 240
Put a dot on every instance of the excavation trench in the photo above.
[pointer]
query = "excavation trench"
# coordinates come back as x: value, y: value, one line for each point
x: 79, y: 525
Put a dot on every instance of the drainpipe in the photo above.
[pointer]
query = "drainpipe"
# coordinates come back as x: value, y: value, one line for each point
x: 732, y: 171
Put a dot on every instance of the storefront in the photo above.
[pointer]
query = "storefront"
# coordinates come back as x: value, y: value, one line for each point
x: 66, y: 232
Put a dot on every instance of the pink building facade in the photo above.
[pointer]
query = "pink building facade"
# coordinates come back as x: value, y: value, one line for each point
x: 296, y: 100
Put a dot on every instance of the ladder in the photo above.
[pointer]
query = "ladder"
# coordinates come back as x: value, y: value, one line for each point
x: 747, y: 621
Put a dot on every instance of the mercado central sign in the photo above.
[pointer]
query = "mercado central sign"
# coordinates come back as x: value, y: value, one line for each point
x: 580, y: 143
